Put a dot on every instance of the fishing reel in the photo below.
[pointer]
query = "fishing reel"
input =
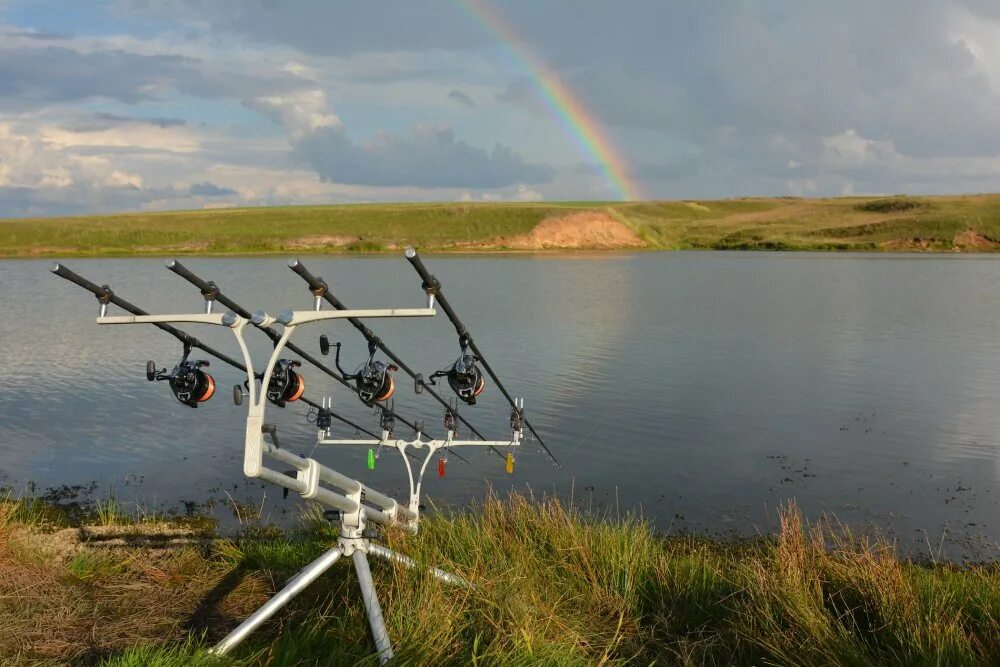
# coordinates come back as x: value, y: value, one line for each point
x: 464, y: 377
x: 189, y: 384
x: 373, y: 381
x: 286, y: 385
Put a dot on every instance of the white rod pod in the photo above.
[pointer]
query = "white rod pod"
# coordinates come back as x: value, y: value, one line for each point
x: 356, y: 503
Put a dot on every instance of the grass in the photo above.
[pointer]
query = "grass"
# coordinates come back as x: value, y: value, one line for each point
x: 552, y: 586
x: 850, y: 223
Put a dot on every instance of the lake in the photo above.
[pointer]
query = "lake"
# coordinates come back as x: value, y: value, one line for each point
x: 702, y: 389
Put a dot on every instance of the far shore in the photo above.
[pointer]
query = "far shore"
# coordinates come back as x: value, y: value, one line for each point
x: 939, y: 224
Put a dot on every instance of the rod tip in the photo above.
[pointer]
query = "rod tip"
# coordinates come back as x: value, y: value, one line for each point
x: 171, y: 264
x: 54, y: 267
x: 411, y: 252
x: 292, y: 263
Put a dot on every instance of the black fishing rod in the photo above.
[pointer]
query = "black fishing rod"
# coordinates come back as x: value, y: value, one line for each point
x: 211, y: 292
x: 105, y: 296
x: 320, y: 289
x: 432, y: 286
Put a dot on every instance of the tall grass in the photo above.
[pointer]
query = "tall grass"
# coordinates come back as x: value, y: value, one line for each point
x: 551, y: 585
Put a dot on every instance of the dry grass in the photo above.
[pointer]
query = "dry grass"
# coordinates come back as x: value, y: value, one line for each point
x: 552, y: 586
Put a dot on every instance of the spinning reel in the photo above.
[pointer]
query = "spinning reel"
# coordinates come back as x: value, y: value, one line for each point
x: 372, y: 381
x: 286, y: 385
x: 189, y: 384
x: 464, y: 377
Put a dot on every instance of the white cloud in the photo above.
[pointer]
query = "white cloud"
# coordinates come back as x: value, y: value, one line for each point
x: 300, y: 113
x: 524, y: 193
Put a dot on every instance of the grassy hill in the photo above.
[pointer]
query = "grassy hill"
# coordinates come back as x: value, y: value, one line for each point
x: 970, y: 223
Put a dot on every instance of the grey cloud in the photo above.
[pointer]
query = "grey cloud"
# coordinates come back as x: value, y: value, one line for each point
x: 207, y: 189
x: 333, y: 28
x: 521, y: 92
x: 40, y: 76
x: 33, y: 77
x: 156, y: 122
x: 78, y: 199
x: 43, y: 36
x: 428, y: 157
x: 84, y: 198
x: 103, y: 120
x: 461, y: 98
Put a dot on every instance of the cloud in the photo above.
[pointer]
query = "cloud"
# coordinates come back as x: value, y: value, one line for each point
x: 157, y: 122
x: 33, y: 77
x: 206, y: 189
x: 331, y: 28
x: 521, y: 92
x: 701, y: 100
x: 430, y: 157
x: 300, y: 113
x: 461, y: 98
x: 77, y: 70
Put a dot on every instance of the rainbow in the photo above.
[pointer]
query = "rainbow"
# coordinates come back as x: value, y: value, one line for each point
x: 590, y: 138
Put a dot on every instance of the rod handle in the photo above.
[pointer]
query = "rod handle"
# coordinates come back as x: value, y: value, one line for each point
x: 186, y: 274
x: 315, y: 284
x: 430, y: 282
x: 64, y: 272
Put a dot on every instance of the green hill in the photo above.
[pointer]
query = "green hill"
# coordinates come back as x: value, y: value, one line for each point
x: 962, y: 223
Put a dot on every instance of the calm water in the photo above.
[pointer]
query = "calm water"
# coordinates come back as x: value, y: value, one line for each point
x: 705, y: 389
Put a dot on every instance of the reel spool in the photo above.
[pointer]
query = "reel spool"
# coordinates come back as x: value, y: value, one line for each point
x: 285, y: 386
x: 374, y: 384
x: 373, y: 381
x: 465, y: 378
x: 189, y: 384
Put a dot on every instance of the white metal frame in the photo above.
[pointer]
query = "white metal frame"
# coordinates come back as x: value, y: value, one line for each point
x: 356, y: 503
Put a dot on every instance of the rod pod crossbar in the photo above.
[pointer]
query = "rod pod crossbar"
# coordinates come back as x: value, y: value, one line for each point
x: 354, y: 503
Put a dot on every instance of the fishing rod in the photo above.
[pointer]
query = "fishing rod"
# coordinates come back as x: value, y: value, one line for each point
x: 106, y: 296
x: 189, y: 383
x: 464, y: 377
x: 211, y: 292
x: 320, y: 289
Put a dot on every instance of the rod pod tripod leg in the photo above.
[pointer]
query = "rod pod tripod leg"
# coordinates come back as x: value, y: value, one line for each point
x: 375, y: 619
x: 296, y: 585
x: 358, y: 550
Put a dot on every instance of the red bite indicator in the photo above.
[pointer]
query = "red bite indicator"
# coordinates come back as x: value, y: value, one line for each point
x: 442, y: 462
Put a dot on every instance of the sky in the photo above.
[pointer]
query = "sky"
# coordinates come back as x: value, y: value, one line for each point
x: 176, y: 104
